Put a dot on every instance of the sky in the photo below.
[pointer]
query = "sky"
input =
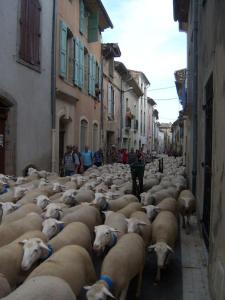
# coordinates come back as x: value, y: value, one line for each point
x: 150, y: 42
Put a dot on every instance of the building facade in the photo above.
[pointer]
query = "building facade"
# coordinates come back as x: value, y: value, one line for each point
x: 25, y: 85
x: 78, y: 75
x: 204, y: 23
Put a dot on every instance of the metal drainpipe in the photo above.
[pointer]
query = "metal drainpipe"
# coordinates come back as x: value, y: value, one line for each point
x: 121, y: 113
x: 53, y: 82
x: 102, y: 107
x: 195, y: 96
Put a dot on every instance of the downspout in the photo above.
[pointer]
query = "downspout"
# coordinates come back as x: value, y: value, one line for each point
x: 195, y: 96
x: 53, y: 85
x: 121, y: 112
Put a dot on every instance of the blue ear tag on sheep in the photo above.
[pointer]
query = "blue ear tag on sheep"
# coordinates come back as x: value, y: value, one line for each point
x: 61, y: 226
x: 114, y: 240
x: 50, y: 251
x: 107, y: 280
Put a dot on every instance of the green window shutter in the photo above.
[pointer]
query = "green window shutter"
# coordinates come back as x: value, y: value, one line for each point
x: 93, y: 24
x: 100, y: 76
x: 90, y: 74
x: 81, y: 66
x: 93, y: 76
x: 63, y: 49
x: 82, y: 16
x: 76, y: 62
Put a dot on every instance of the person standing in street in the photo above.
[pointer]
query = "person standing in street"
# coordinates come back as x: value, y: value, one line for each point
x: 125, y: 156
x: 68, y: 162
x: 77, y: 159
x: 98, y: 158
x: 137, y: 166
x: 87, y: 158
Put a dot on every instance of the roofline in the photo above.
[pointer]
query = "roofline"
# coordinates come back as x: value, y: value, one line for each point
x: 143, y: 74
x: 105, y: 13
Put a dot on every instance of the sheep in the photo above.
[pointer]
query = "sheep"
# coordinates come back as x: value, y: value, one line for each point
x: 126, y: 188
x: 31, y: 195
x: 164, y: 235
x: 168, y: 203
x: 72, y: 264
x: 4, y: 286
x: 130, y: 208
x: 139, y: 223
x: 7, y: 208
x: 114, y: 205
x: 84, y: 196
x: 21, y: 212
x: 42, y: 201
x: 11, y: 256
x: 44, y: 288
x: 85, y: 214
x: 186, y: 207
x: 75, y: 233
x: 107, y: 235
x: 148, y: 184
x: 12, y: 230
x: 122, y: 263
x: 54, y: 210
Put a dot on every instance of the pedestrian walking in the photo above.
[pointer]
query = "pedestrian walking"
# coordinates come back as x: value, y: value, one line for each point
x: 77, y: 159
x: 98, y: 158
x: 68, y: 162
x: 87, y: 158
x: 137, y: 167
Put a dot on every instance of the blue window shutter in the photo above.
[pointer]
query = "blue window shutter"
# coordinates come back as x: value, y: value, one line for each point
x: 81, y: 73
x: 81, y: 16
x: 93, y: 76
x: 76, y: 61
x: 63, y: 49
x: 90, y: 74
x: 93, y: 24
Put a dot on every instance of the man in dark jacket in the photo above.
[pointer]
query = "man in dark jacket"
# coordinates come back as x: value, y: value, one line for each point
x: 137, y: 167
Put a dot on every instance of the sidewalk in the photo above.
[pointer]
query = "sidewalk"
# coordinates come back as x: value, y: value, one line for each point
x: 194, y: 264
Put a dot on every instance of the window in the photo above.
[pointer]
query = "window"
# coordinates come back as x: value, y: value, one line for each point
x: 82, y: 14
x: 86, y: 64
x: 95, y: 137
x: 110, y: 102
x: 93, y: 27
x: 29, y: 48
x: 111, y: 67
x: 78, y: 63
x: 92, y: 75
x: 70, y: 56
x: 83, y: 134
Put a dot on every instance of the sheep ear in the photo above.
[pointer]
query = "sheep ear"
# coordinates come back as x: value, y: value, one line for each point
x: 87, y: 287
x: 35, y: 200
x: 127, y: 220
x: 157, y: 209
x: 151, y: 248
x: 42, y: 245
x: 22, y: 242
x: 142, y: 223
x: 170, y: 249
x: 107, y: 292
x: 59, y: 222
x: 115, y: 230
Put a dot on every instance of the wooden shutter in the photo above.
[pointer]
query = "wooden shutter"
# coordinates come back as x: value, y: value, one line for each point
x: 109, y: 100
x: 81, y: 16
x: 30, y: 31
x: 93, y: 75
x: 90, y: 72
x: 112, y: 102
x: 63, y: 49
x: 76, y: 61
x: 93, y: 24
x: 81, y: 65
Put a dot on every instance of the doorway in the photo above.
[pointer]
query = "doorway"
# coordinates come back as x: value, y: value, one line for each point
x: 208, y: 160
x: 3, y: 118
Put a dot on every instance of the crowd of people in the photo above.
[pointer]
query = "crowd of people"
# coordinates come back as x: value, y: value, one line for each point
x: 75, y: 162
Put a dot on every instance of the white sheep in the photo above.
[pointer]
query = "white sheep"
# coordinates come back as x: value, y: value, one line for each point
x: 186, y: 207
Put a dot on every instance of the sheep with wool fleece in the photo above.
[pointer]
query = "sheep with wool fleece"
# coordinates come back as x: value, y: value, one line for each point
x: 75, y: 233
x: 54, y: 210
x: 164, y: 236
x: 21, y: 212
x: 186, y: 207
x: 44, y: 288
x: 130, y: 208
x: 4, y: 286
x: 11, y: 231
x: 71, y: 263
x: 122, y: 263
x: 140, y: 224
x: 11, y: 257
x: 106, y: 235
x: 84, y: 214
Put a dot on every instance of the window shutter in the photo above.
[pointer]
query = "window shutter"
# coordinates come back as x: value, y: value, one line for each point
x: 109, y: 99
x: 23, y: 29
x: 76, y: 61
x: 93, y: 75
x: 81, y: 16
x: 112, y: 102
x: 93, y: 22
x: 81, y: 65
x: 63, y: 49
x: 90, y: 74
x: 100, y: 77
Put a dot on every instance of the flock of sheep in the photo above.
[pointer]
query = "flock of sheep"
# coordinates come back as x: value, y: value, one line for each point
x: 52, y: 228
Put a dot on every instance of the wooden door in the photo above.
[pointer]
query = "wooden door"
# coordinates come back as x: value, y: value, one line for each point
x: 3, y: 117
